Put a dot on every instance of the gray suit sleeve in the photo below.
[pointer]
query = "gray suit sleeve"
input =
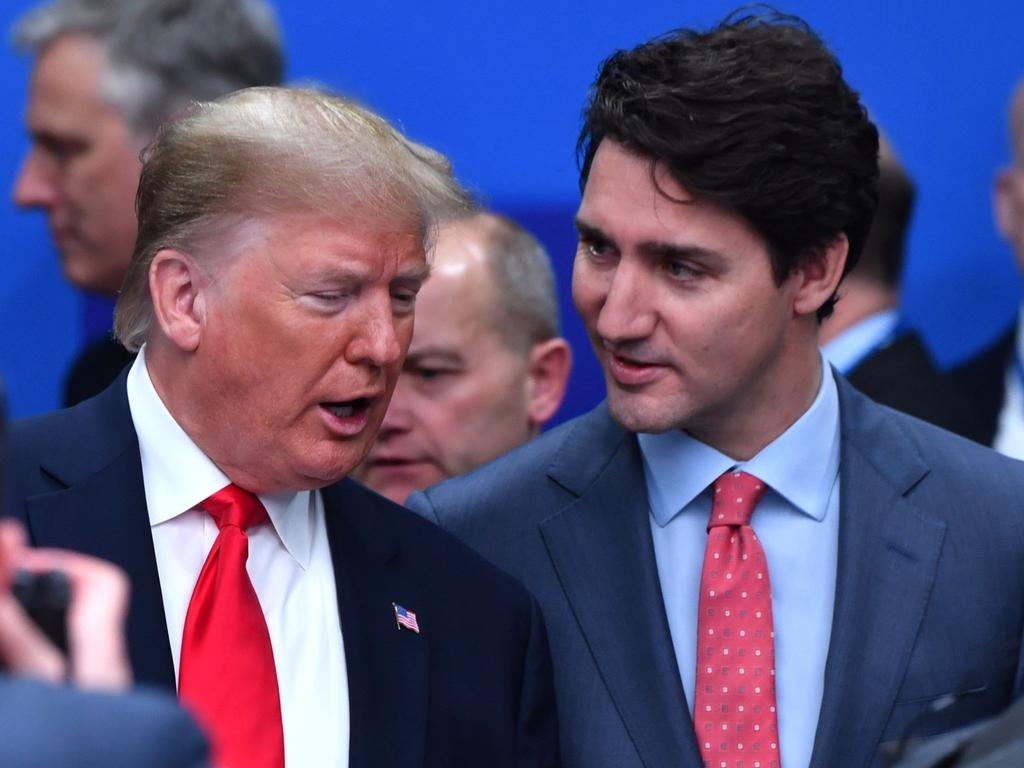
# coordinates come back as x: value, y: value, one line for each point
x: 420, y: 504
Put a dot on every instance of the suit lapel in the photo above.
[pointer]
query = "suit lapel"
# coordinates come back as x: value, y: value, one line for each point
x: 603, y: 553
x: 102, y: 512
x: 888, y: 555
x: 387, y: 667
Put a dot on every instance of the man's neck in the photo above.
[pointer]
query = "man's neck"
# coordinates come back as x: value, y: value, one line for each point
x: 860, y: 299
x: 775, y: 407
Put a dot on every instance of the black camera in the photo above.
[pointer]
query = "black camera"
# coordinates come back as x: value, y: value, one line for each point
x: 45, y: 597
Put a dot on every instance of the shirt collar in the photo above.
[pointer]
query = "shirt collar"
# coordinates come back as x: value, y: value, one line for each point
x: 178, y: 476
x: 801, y: 464
x: 1019, y: 335
x: 851, y: 346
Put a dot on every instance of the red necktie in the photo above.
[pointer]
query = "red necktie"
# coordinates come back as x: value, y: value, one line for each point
x: 227, y: 675
x: 734, y: 703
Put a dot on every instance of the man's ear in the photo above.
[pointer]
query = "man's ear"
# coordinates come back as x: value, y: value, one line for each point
x: 548, y: 374
x: 175, y: 285
x: 818, y: 277
x: 1007, y: 205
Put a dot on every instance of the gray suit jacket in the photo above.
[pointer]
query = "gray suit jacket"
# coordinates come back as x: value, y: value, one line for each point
x: 929, y: 592
x: 45, y: 726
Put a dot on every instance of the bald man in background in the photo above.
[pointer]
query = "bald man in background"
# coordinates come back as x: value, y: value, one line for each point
x: 487, y: 367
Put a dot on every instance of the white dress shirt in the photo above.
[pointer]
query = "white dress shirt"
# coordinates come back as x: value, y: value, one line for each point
x: 289, y: 565
x: 1009, y: 437
x: 849, y: 348
x: 797, y: 522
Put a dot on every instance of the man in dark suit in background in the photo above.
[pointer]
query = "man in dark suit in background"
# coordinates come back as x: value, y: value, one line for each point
x: 282, y: 238
x: 993, y: 380
x: 857, y: 563
x: 868, y: 341
x: 106, y: 74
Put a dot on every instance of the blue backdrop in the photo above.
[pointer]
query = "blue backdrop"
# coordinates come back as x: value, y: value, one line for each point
x: 499, y: 87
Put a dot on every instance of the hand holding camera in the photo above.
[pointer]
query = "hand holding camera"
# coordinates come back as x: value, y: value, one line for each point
x: 96, y: 597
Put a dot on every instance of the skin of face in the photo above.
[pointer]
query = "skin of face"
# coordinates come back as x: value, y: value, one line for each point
x: 1009, y: 209
x: 83, y: 165
x: 691, y: 328
x: 464, y: 396
x: 279, y: 361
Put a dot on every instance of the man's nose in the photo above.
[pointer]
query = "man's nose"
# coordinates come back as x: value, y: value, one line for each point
x: 375, y: 341
x: 397, y: 419
x: 36, y: 185
x: 626, y: 313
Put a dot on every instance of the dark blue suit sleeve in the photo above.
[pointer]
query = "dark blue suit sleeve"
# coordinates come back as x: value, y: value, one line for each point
x: 538, y: 719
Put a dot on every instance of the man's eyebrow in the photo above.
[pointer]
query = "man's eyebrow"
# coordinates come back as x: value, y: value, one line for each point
x: 416, y: 274
x: 651, y: 249
x: 656, y: 250
x: 590, y: 232
x: 440, y: 354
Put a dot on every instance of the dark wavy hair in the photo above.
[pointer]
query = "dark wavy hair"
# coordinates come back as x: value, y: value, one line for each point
x: 753, y: 115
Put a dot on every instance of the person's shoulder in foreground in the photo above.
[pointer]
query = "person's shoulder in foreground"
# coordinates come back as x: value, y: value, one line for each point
x: 97, y: 730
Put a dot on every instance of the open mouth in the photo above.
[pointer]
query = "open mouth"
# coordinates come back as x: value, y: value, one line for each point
x: 348, y: 408
x: 393, y: 462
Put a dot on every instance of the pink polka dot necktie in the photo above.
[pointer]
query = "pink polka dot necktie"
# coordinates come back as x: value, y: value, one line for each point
x: 227, y: 675
x: 734, y: 710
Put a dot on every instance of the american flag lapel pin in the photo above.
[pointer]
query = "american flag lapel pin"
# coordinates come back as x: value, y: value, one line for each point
x: 405, y: 619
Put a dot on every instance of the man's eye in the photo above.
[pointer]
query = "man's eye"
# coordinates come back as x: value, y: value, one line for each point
x: 680, y: 270
x: 428, y: 373
x: 60, y: 151
x: 328, y: 301
x: 403, y: 301
x: 595, y: 248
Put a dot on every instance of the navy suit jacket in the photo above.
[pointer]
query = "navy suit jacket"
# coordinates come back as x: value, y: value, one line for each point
x: 929, y: 594
x: 476, y: 680
x: 46, y: 726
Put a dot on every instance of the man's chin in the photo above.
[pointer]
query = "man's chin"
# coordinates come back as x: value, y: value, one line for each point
x: 398, y: 481
x: 637, y: 413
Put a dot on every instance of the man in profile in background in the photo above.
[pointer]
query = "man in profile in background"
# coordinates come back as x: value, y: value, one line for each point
x: 486, y: 368
x: 866, y: 338
x: 993, y: 380
x: 106, y: 74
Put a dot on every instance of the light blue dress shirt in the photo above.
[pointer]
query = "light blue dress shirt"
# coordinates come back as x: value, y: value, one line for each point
x: 851, y: 346
x: 797, y: 522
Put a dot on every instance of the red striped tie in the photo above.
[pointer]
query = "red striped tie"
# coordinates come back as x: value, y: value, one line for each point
x: 227, y: 675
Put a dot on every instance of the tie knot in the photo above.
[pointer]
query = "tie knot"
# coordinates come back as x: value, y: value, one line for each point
x: 735, y: 496
x: 232, y: 505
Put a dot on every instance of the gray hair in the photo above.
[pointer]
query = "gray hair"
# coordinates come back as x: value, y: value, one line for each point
x: 523, y: 279
x: 163, y: 54
x: 266, y: 151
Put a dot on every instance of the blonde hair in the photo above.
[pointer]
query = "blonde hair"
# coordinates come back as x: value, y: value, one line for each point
x: 266, y: 151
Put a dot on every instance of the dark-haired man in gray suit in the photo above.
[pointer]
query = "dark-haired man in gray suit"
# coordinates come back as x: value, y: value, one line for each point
x: 742, y: 561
